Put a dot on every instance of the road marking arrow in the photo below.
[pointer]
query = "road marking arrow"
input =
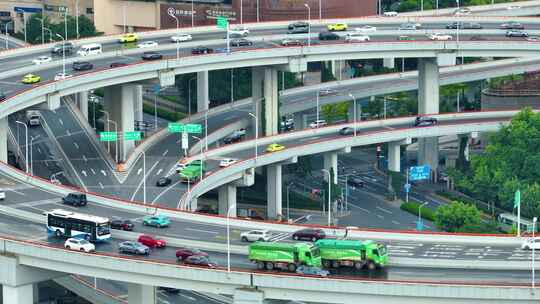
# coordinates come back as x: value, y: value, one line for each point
x: 103, y: 172
x: 84, y: 173
x: 139, y: 171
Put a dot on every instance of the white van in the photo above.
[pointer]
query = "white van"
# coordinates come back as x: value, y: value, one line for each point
x: 90, y: 49
x: 390, y: 14
x: 33, y: 118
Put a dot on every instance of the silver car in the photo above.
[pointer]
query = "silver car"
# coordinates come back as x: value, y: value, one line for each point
x: 133, y: 248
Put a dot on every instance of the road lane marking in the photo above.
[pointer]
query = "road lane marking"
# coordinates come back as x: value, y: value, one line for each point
x: 204, y: 231
x: 36, y: 203
x: 139, y: 171
x: 93, y: 172
x: 76, y: 145
x: 165, y: 153
x: 365, y: 210
x: 39, y: 150
x: 84, y: 158
x: 84, y: 173
x: 395, y: 222
x: 61, y: 121
x: 380, y: 216
x: 384, y: 210
x: 101, y: 185
x: 143, y: 179
x: 164, y: 191
x: 103, y: 172
x: 159, y: 171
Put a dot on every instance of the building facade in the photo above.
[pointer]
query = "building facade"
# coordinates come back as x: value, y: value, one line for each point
x: 14, y: 12
x: 116, y: 16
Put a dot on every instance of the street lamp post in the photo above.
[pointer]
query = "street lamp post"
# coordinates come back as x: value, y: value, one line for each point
x: 535, y: 219
x: 107, y: 127
x: 63, y: 54
x: 329, y: 195
x: 124, y: 14
x: 420, y: 214
x: 232, y: 85
x: 258, y: 19
x: 288, y: 186
x: 77, y: 17
x: 116, y: 142
x: 144, y: 176
x: 241, y: 12
x: 206, y: 130
x: 26, y: 136
x: 177, y: 36
x: 320, y: 10
x: 256, y: 133
x: 192, y: 14
x: 7, y: 35
x: 317, y: 122
x: 229, y: 238
x: 354, y: 110
x: 309, y: 24
x: 201, y: 156
x: 50, y: 34
x: 32, y: 154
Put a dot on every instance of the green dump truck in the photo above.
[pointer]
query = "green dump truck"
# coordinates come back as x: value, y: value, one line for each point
x: 284, y: 256
x: 352, y: 253
x: 191, y: 173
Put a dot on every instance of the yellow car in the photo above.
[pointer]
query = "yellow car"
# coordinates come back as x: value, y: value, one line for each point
x: 274, y: 148
x: 30, y: 78
x: 129, y: 37
x: 337, y: 27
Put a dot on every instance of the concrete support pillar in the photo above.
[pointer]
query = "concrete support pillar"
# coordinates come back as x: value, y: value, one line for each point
x: 271, y: 101
x: 394, y: 160
x: 120, y: 104
x: 23, y: 294
x: 466, y: 150
x: 203, y: 102
x: 428, y: 103
x: 138, y: 102
x: 299, y: 121
x: 337, y: 68
x: 428, y: 86
x: 330, y: 162
x: 274, y: 191
x: 82, y: 100
x: 141, y: 294
x: 389, y: 63
x: 226, y: 199
x: 3, y: 139
x: 248, y: 296
x: 257, y: 81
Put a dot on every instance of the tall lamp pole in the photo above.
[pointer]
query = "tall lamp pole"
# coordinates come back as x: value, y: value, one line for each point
x: 309, y: 24
x: 320, y: 10
x: 229, y: 238
x: 26, y: 157
x: 42, y: 29
x: 144, y: 176
x: 189, y: 96
x: 288, y: 186
x: 192, y: 14
x: 107, y: 128
x: 32, y: 154
x: 329, y: 195
x: 7, y: 35
x: 420, y: 224
x: 241, y: 12
x: 201, y: 156
x: 177, y: 34
x: 77, y: 17
x: 63, y: 54
x: 535, y: 219
x: 317, y: 98
x: 354, y: 110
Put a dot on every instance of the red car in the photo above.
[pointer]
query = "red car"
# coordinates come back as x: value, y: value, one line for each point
x: 151, y: 241
x: 184, y: 253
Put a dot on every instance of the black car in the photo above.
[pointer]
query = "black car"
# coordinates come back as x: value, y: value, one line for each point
x: 75, y: 199
x: 61, y: 48
x: 355, y: 182
x: 163, y: 181
x: 346, y: 131
x: 516, y: 33
x: 82, y: 66
x: 201, y: 50
x: 234, y: 36
x: 169, y: 289
x: 122, y: 224
x: 424, y: 121
x: 117, y: 64
x: 2, y: 95
x: 464, y: 25
x: 151, y: 56
x: 512, y: 25
x: 232, y: 139
x: 241, y: 42
x: 328, y: 36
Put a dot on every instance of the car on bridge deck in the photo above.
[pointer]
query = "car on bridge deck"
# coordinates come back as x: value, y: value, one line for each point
x: 156, y: 220
x: 517, y: 33
x: 531, y: 243
x: 183, y: 253
x: 151, y: 56
x: 128, y: 37
x: 346, y: 131
x: 181, y: 38
x: 241, y: 42
x: 425, y: 121
x: 42, y: 59
x: 439, y: 37
x: 241, y: 30
x: 328, y: 36
x: 201, y: 50
x: 75, y: 199
x: 2, y: 195
x: 133, y: 248
x: 163, y: 182
x: 200, y: 260
x: 337, y: 27
x: 30, y: 79
x: 227, y: 162
x: 309, y: 234
x: 274, y: 147
x: 255, y: 235
x: 512, y: 25
x: 317, y: 124
x: 151, y: 241
x: 123, y: 224
x: 62, y: 76
x: 292, y: 42
x: 147, y: 44
x: 82, y: 66
x: 79, y: 245
x: 365, y: 28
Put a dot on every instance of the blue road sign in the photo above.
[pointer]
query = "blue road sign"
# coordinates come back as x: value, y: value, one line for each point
x: 419, y: 172
x: 156, y: 88
x: 21, y: 9
x: 407, y: 188
x: 419, y: 225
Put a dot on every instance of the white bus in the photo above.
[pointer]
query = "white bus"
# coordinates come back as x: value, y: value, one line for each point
x: 90, y: 49
x: 507, y: 221
x: 64, y: 223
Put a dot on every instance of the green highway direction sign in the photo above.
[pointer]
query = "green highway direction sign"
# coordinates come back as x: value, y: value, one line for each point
x: 175, y: 127
x: 108, y: 136
x: 132, y: 136
x: 222, y: 23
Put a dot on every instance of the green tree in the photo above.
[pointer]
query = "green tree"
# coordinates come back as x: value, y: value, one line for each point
x: 456, y: 215
x: 326, y: 72
x: 335, y: 111
x: 33, y: 29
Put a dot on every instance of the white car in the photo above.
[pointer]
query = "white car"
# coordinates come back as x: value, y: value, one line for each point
x: 2, y: 195
x: 227, y: 162
x: 241, y: 30
x: 79, y: 245
x: 366, y: 28
x: 147, y: 44
x: 356, y: 38
x: 531, y: 243
x: 317, y: 123
x: 42, y: 59
x: 513, y: 7
x: 440, y: 37
x: 181, y: 37
x: 62, y: 76
x: 255, y: 235
x: 239, y: 132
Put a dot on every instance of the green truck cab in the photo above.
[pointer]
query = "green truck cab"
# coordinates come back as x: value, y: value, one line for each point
x: 284, y: 256
x: 192, y: 172
x: 352, y: 253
